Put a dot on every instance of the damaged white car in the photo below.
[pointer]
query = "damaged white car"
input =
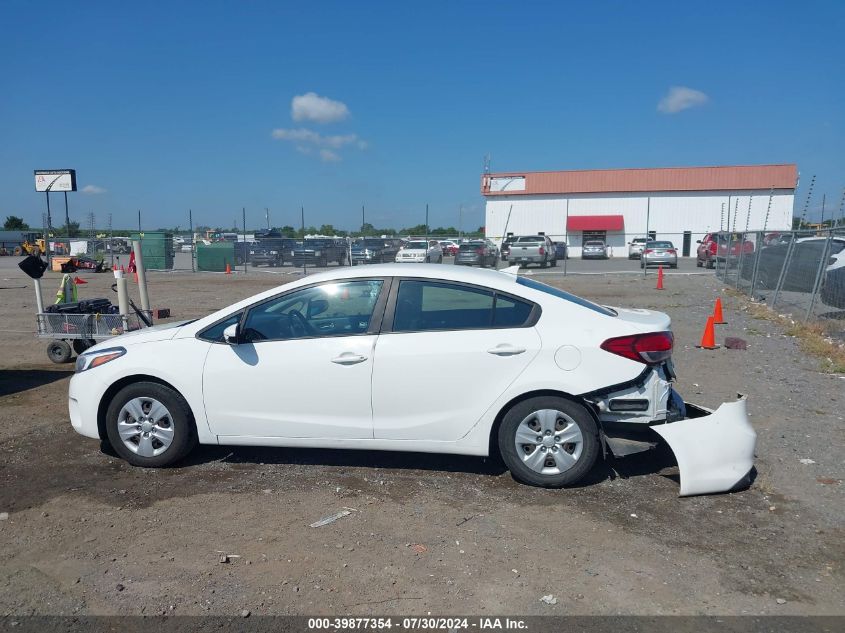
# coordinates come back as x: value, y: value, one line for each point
x: 495, y: 363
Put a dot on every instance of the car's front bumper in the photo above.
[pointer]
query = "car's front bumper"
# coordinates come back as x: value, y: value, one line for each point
x: 413, y: 259
x: 714, y: 449
x: 593, y: 255
x: 649, y: 261
x: 84, y: 395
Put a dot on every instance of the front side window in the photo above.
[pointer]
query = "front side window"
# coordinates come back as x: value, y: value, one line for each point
x: 332, y: 309
x: 215, y: 332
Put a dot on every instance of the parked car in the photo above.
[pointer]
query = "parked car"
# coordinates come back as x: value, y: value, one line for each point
x: 477, y: 253
x: 532, y: 249
x: 659, y: 253
x: 373, y: 250
x: 420, y: 252
x: 594, y: 249
x: 318, y: 252
x: 716, y: 246
x: 635, y: 247
x: 272, y: 250
x: 242, y: 252
x: 561, y: 251
x: 804, y: 262
x: 545, y: 379
x: 449, y: 248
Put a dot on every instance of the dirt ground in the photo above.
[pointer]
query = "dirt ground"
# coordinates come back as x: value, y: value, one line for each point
x: 85, y: 533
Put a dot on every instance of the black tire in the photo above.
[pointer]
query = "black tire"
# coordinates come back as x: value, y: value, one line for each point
x: 59, y: 351
x: 254, y: 264
x: 181, y: 418
x: 82, y: 344
x: 544, y: 264
x: 579, y: 415
x: 554, y: 263
x: 239, y: 261
x: 698, y: 263
x: 711, y: 263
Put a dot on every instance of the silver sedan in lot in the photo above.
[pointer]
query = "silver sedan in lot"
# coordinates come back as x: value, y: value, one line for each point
x: 659, y: 253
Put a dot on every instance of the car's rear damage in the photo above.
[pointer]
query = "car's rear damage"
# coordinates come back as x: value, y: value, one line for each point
x: 714, y: 449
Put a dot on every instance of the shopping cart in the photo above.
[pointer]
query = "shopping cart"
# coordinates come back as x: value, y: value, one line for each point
x: 77, y: 332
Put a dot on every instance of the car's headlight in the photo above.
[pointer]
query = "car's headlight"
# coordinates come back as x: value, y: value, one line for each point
x: 317, y: 253
x: 95, y: 359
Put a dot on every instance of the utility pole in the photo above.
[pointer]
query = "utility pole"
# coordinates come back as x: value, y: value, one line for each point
x: 139, y: 220
x: 647, y: 224
x: 67, y: 216
x: 426, y: 221
x: 363, y: 219
x: 245, y: 249
x: 302, y: 223
x: 460, y: 220
x: 267, y: 217
x: 193, y: 241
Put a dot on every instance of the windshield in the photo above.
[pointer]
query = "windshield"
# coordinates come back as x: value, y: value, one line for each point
x: 562, y: 294
x: 659, y: 245
x: 530, y: 238
x: 416, y: 246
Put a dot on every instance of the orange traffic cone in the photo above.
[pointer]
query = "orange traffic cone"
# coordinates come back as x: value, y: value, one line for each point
x: 659, y: 278
x: 228, y: 269
x: 79, y: 280
x: 708, y: 338
x: 123, y: 269
x: 718, y: 319
x: 136, y: 277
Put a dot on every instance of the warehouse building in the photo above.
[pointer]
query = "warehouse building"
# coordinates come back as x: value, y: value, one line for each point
x: 680, y: 204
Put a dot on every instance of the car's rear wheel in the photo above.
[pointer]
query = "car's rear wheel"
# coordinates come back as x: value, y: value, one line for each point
x: 548, y: 441
x: 150, y: 425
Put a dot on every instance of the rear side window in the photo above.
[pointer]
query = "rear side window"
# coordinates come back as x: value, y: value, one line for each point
x: 510, y: 312
x: 430, y: 305
x: 567, y: 296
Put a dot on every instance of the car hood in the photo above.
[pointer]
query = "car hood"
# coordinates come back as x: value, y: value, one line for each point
x: 162, y: 332
x: 644, y: 320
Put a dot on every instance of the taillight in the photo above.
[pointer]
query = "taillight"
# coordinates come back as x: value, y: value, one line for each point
x: 480, y: 251
x: 542, y: 251
x: 647, y: 251
x: 651, y: 348
x: 672, y: 251
x: 712, y: 247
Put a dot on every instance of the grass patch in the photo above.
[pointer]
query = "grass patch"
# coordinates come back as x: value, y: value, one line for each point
x: 813, y: 338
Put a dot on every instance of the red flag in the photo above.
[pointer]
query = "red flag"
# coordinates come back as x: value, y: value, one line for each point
x: 79, y: 280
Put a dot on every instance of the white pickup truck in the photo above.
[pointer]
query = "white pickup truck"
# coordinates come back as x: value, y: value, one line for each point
x: 532, y: 249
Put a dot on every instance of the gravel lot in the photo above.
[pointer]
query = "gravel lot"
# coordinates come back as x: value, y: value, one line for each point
x: 83, y: 533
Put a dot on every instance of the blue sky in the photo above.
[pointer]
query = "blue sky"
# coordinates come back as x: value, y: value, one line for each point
x: 166, y: 106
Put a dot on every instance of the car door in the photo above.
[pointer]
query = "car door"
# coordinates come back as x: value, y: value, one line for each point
x: 447, y: 351
x: 302, y: 366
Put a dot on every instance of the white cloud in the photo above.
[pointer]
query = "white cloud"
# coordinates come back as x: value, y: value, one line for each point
x: 681, y: 98
x: 308, y: 142
x: 93, y: 190
x: 328, y: 156
x: 313, y: 107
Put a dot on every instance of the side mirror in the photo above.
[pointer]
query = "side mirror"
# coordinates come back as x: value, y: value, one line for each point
x: 698, y: 241
x: 230, y: 334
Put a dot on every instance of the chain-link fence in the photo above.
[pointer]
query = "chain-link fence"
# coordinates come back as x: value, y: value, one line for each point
x: 797, y: 272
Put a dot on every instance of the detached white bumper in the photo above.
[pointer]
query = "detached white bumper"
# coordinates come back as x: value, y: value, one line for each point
x: 714, y: 449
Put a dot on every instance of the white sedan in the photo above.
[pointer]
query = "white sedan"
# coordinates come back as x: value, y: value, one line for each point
x: 503, y: 364
x: 420, y: 252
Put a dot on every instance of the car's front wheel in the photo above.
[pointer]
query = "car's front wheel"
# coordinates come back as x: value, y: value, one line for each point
x: 548, y: 441
x: 150, y: 425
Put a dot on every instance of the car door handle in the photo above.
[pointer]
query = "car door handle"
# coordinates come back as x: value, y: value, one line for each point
x: 348, y: 358
x: 506, y: 350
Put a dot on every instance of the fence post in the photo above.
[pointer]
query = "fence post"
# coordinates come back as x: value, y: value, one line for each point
x: 817, y: 282
x: 761, y: 235
x: 787, y: 258
x: 741, y: 254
